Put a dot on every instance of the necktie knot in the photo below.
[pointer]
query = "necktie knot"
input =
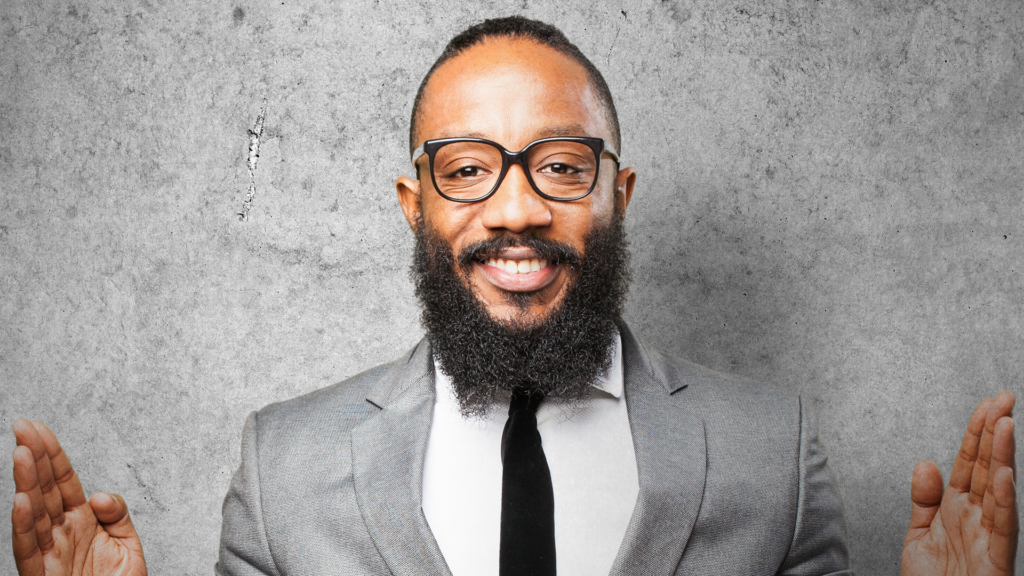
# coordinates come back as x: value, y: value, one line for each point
x: 525, y: 400
x: 520, y: 430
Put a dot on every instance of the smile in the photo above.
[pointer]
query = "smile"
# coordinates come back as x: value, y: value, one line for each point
x: 518, y: 266
x: 523, y: 275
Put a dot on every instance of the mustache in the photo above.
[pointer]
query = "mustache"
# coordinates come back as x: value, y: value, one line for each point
x: 553, y: 251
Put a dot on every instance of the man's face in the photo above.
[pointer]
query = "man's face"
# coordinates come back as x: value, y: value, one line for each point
x: 513, y: 92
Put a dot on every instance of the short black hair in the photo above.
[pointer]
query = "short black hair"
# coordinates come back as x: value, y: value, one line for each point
x: 519, y: 28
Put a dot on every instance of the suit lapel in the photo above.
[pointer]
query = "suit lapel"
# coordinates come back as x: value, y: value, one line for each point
x: 387, y: 466
x: 671, y: 460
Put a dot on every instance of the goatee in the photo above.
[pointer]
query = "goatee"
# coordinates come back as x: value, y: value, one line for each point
x: 561, y: 355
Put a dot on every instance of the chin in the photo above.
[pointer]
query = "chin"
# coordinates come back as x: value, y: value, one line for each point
x: 521, y: 309
x: 513, y: 316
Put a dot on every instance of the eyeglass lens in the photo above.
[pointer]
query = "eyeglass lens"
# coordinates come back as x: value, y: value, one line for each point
x: 469, y: 170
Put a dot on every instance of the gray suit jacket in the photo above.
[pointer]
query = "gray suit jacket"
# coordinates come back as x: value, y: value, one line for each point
x: 733, y: 479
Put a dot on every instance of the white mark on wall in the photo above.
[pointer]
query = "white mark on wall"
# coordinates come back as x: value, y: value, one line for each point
x: 254, y: 157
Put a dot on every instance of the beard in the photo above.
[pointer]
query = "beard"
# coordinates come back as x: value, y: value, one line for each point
x: 560, y: 355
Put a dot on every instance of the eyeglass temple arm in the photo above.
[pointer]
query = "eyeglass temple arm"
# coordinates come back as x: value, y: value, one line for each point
x: 417, y: 153
x: 614, y: 154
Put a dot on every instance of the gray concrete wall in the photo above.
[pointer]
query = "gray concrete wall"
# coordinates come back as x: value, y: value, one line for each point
x: 829, y: 200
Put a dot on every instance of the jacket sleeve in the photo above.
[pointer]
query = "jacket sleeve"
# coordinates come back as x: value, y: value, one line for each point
x: 244, y: 547
x: 819, y: 545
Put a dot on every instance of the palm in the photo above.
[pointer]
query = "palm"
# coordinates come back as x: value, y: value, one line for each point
x: 108, y: 555
x: 86, y: 549
x: 56, y: 531
x: 970, y: 527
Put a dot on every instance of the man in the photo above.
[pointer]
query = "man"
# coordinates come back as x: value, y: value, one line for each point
x: 613, y: 457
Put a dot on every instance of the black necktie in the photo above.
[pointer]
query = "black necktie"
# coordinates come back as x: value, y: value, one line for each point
x: 527, y: 499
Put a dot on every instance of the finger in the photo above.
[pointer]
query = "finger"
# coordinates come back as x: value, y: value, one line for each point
x: 64, y: 475
x: 112, y: 512
x: 963, y: 466
x: 27, y: 482
x: 1001, y: 406
x: 1003, y: 448
x: 1003, y: 545
x: 27, y: 555
x: 925, y: 496
x: 27, y: 435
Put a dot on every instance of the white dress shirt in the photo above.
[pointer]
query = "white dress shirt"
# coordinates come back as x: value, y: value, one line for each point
x: 589, y: 449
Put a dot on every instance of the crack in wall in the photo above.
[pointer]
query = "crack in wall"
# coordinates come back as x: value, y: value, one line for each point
x: 254, y: 157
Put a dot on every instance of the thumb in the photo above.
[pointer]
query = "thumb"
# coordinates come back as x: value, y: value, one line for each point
x: 925, y: 496
x: 112, y: 512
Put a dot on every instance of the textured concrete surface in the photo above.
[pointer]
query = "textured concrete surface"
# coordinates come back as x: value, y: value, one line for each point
x: 829, y: 200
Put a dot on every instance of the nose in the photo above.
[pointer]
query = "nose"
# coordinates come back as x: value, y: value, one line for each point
x: 515, y: 206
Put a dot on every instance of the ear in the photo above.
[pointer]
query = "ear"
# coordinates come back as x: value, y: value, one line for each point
x: 409, y: 197
x: 624, y: 182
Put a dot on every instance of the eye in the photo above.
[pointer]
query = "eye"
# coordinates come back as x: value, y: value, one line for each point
x: 463, y: 171
x: 560, y: 168
x: 466, y: 172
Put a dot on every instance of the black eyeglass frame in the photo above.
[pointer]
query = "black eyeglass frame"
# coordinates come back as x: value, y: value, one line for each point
x: 430, y: 148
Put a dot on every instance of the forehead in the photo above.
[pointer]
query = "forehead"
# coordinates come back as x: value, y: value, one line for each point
x: 512, y: 91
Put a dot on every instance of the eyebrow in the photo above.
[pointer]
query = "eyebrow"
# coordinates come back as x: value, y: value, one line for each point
x: 567, y: 130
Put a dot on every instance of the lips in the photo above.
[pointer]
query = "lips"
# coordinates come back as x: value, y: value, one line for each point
x: 514, y: 263
x: 524, y: 274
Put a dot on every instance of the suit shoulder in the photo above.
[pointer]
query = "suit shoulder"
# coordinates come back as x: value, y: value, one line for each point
x: 339, y: 407
x: 683, y: 372
x: 724, y: 396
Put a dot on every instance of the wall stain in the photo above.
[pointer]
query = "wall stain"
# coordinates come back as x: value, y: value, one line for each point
x: 150, y: 496
x: 254, y: 157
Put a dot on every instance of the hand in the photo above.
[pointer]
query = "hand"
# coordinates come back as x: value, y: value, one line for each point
x: 971, y: 527
x: 56, y: 531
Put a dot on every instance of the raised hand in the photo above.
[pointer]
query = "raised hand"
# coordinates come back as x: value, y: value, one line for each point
x: 971, y: 526
x: 56, y: 531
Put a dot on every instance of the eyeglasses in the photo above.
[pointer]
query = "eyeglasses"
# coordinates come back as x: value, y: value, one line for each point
x: 472, y: 169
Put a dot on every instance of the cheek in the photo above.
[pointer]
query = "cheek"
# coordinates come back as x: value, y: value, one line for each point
x: 449, y: 219
x: 601, y: 207
x: 572, y: 224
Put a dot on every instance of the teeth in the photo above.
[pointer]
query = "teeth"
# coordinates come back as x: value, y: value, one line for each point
x: 518, y: 266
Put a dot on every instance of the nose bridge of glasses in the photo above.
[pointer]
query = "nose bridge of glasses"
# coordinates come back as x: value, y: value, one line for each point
x: 516, y: 175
